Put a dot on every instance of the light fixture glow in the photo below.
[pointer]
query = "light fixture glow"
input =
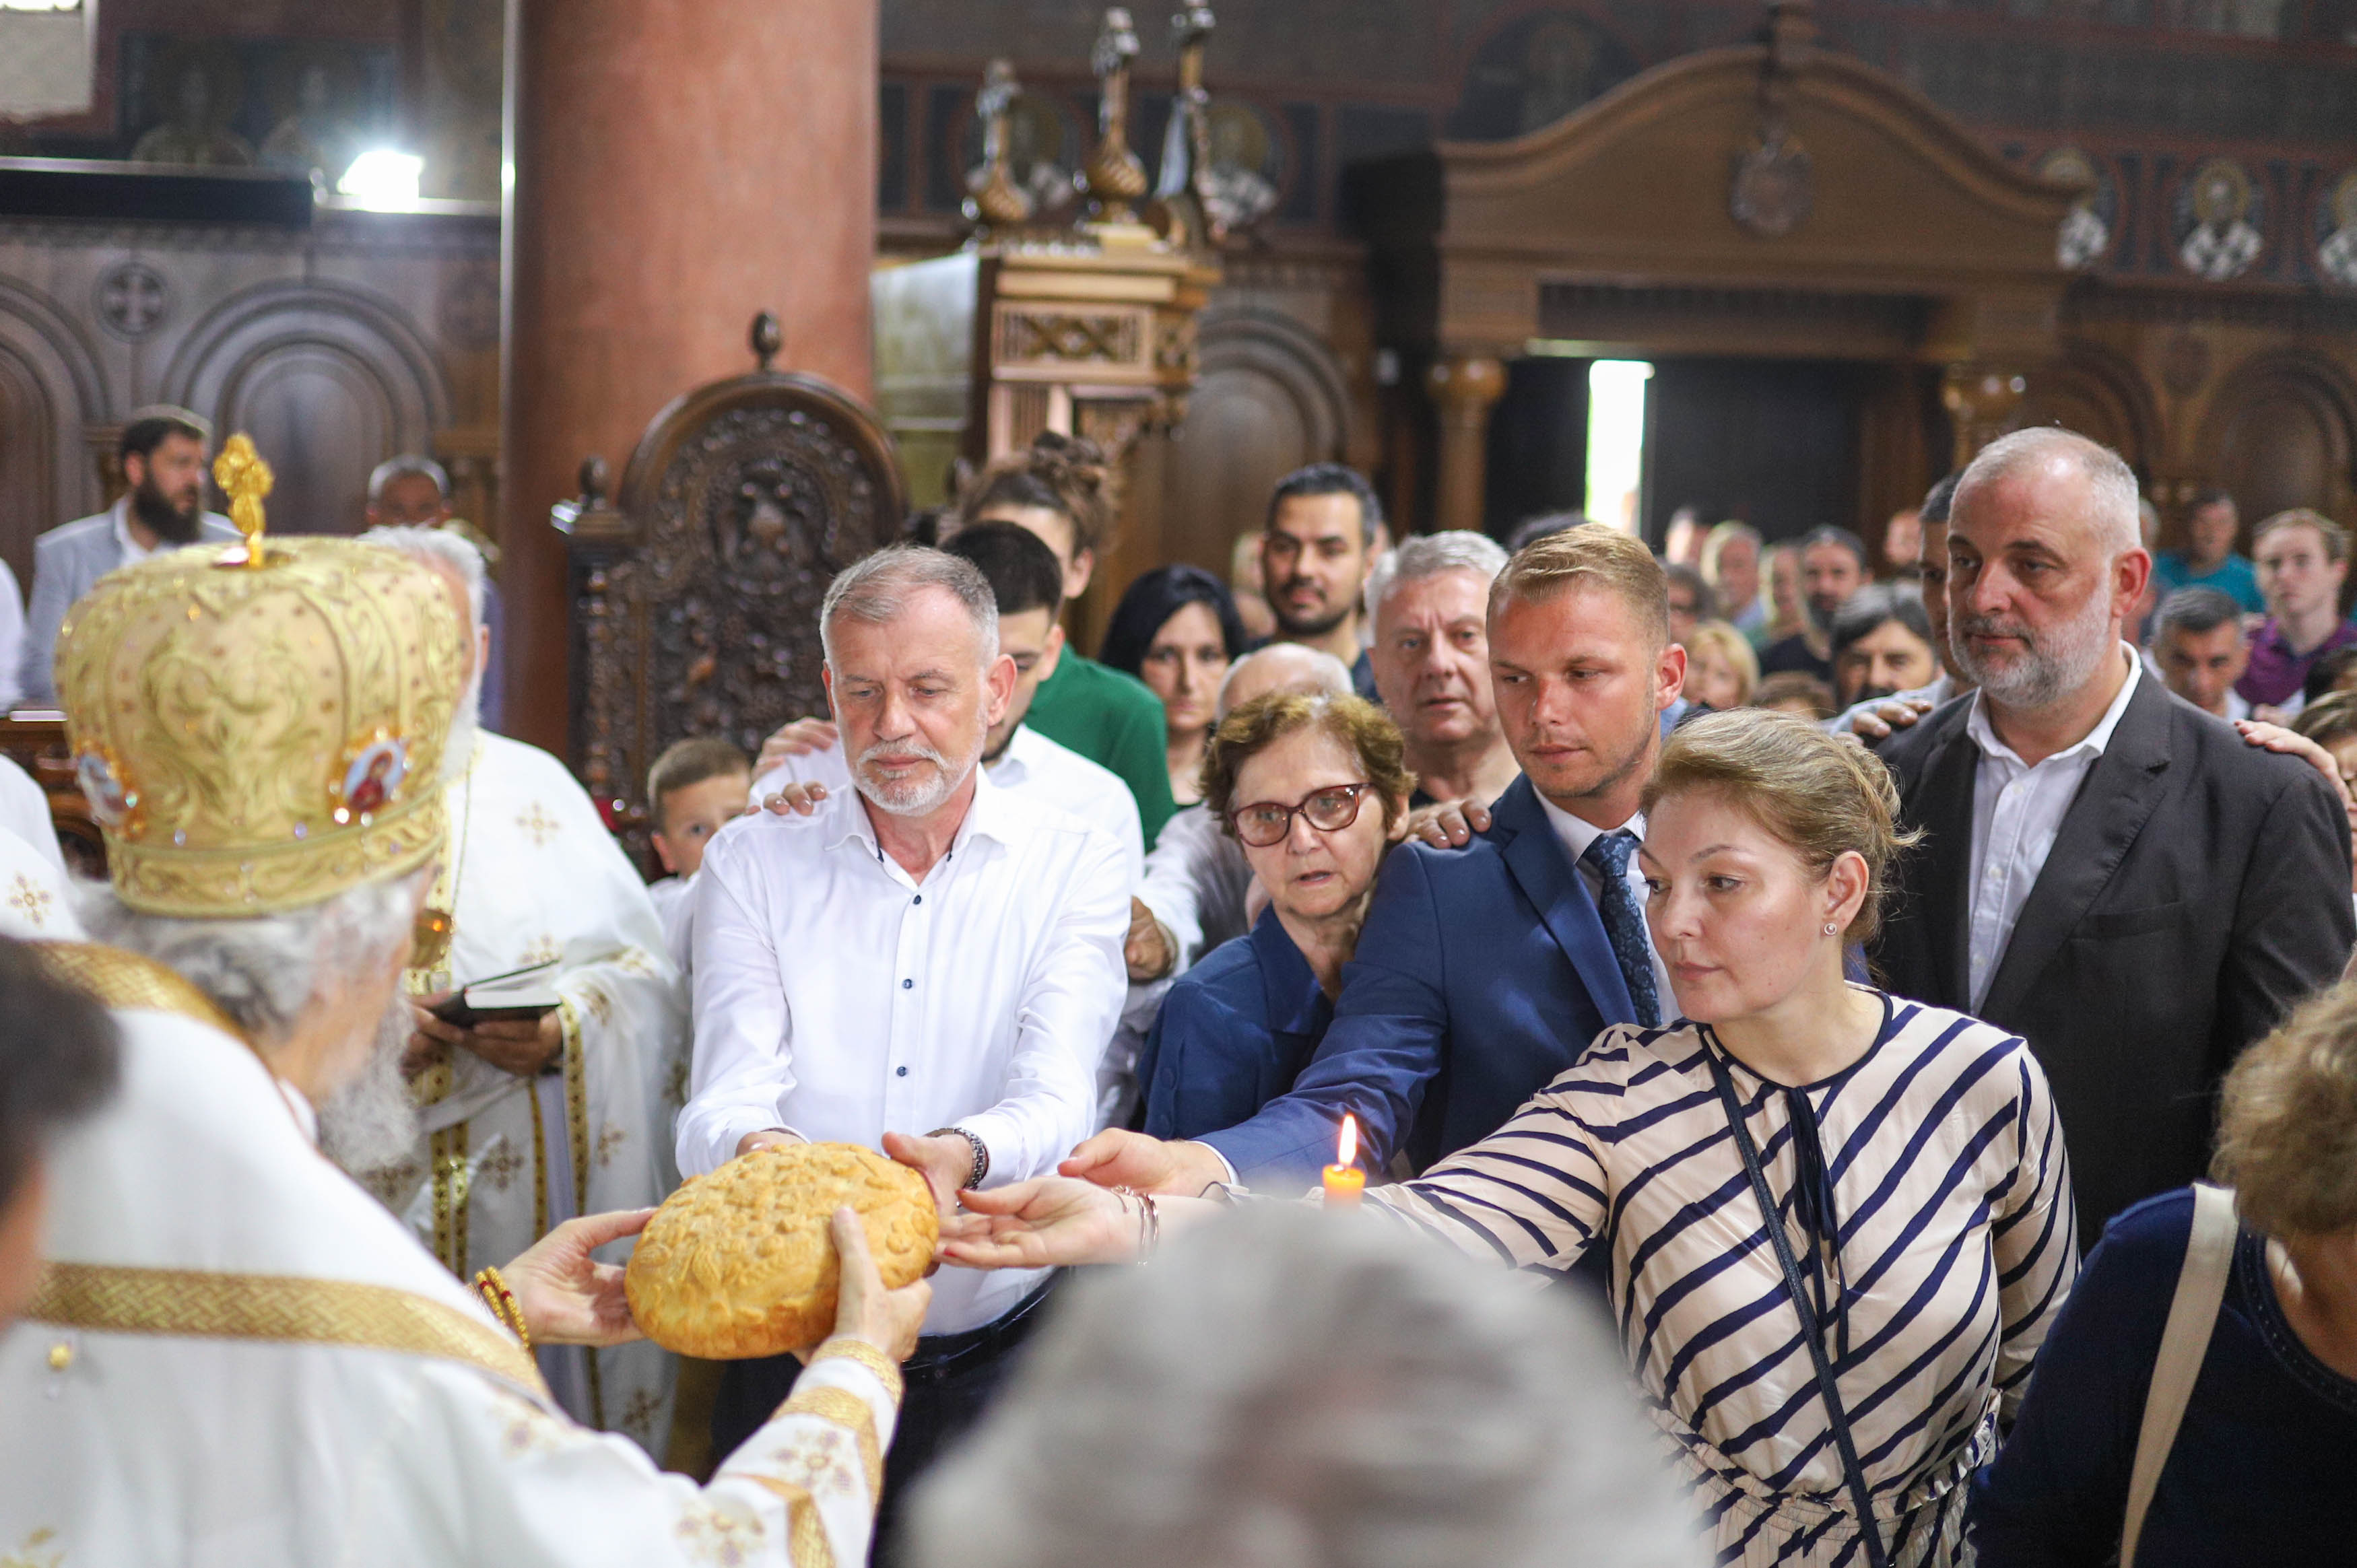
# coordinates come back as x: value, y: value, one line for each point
x: 1615, y: 440
x: 384, y: 178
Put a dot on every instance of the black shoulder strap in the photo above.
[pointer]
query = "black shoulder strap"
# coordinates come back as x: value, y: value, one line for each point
x: 1861, y: 1496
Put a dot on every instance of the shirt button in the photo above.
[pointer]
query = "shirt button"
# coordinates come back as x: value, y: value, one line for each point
x: 907, y: 985
x: 920, y: 897
x: 904, y: 1072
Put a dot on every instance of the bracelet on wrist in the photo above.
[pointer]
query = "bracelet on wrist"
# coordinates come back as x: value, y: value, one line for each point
x: 1150, y: 1220
x: 981, y: 1153
x: 503, y: 1304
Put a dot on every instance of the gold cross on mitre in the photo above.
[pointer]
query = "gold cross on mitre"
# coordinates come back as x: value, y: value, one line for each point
x: 240, y: 471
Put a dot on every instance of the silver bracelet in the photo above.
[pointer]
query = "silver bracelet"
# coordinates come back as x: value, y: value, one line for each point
x: 1149, y: 1222
x: 981, y: 1153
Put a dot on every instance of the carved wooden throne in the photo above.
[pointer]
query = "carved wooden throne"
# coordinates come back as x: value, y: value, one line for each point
x: 695, y: 596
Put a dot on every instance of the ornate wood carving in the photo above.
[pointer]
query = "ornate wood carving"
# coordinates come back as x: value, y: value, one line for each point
x: 696, y: 593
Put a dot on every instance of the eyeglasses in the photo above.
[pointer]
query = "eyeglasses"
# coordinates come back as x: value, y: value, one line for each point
x: 1266, y: 823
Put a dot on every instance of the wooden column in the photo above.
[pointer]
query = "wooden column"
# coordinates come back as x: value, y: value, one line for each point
x: 1464, y: 388
x: 678, y: 164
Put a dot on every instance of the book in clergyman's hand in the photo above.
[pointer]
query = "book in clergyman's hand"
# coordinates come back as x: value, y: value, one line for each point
x: 526, y: 993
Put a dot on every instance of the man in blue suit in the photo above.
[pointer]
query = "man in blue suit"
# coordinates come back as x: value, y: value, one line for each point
x: 1482, y: 972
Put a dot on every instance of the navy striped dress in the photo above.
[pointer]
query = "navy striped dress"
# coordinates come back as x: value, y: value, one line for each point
x: 1937, y: 1162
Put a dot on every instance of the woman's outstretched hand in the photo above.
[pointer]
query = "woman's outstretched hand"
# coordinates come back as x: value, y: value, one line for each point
x: 1048, y: 1222
x: 1118, y: 1157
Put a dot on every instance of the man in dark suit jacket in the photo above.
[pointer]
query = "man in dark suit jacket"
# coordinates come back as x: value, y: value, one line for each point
x: 2105, y: 870
x: 1482, y: 972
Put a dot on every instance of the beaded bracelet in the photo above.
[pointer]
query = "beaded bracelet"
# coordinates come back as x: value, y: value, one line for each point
x: 502, y: 1303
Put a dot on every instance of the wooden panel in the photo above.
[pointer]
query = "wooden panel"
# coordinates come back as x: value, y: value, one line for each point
x: 1270, y: 397
x: 326, y: 421
x: 29, y: 434
x: 2278, y: 452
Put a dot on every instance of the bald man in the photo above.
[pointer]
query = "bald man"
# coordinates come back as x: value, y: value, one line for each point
x: 2106, y: 870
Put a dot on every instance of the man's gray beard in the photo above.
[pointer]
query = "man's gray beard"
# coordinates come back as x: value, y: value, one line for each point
x: 370, y: 1122
x: 2068, y: 660
x: 466, y: 724
x: 913, y: 799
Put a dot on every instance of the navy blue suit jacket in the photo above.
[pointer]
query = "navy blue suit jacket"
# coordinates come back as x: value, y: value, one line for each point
x: 1233, y: 1032
x: 1481, y: 974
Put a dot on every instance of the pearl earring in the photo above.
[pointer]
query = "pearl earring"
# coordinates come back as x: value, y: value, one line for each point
x: 1829, y: 928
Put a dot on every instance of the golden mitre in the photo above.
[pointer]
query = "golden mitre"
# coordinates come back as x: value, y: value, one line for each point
x: 261, y: 728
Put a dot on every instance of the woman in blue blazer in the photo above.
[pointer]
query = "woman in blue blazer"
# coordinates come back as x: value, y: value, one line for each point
x: 1315, y: 790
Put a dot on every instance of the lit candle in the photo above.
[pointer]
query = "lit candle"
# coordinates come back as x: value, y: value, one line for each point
x: 1344, y: 1180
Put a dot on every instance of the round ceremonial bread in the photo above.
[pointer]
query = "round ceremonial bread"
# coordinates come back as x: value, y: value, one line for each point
x: 738, y: 1262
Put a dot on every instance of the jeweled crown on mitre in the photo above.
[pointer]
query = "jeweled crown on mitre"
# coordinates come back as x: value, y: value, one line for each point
x: 255, y: 735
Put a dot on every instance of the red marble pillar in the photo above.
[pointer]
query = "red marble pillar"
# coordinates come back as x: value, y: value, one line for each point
x: 678, y: 164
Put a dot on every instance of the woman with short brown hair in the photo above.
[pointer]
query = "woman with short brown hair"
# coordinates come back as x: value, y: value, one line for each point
x: 1291, y: 777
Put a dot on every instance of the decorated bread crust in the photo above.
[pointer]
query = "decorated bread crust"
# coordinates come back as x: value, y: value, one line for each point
x: 738, y: 1262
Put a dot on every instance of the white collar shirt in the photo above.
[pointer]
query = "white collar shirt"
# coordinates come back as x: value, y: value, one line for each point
x: 133, y: 551
x: 1575, y: 835
x: 838, y: 998
x: 2017, y: 811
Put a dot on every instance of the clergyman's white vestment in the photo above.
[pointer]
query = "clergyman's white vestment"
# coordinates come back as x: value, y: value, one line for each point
x: 239, y: 1360
x: 530, y: 874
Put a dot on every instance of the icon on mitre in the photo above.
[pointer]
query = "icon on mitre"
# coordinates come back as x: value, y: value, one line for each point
x: 373, y: 777
x: 111, y: 801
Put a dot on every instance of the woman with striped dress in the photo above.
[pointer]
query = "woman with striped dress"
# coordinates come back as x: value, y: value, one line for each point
x: 1851, y: 1361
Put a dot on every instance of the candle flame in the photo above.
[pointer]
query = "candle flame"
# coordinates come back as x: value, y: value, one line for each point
x: 1346, y: 1152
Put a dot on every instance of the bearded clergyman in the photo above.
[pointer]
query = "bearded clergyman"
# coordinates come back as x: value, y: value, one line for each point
x: 236, y: 1355
x: 528, y: 1121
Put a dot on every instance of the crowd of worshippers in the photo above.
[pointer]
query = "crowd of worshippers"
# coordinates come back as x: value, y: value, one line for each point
x: 1832, y: 990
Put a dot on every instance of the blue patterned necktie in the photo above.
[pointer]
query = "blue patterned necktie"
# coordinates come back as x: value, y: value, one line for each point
x: 1624, y: 923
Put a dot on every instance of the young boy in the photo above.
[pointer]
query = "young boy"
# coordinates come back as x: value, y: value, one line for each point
x: 697, y: 788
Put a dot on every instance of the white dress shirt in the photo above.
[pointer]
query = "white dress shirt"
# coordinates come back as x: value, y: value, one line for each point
x: 2018, y: 813
x: 838, y: 997
x: 1031, y: 762
x: 1196, y: 881
x: 1576, y: 834
x: 133, y: 551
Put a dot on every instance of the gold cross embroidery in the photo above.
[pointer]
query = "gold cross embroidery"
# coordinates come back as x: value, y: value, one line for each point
x: 538, y: 823
x: 30, y: 899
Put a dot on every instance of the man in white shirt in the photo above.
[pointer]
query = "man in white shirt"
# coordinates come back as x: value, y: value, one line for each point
x: 2107, y: 871
x: 1027, y: 583
x: 163, y: 455
x: 929, y: 953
